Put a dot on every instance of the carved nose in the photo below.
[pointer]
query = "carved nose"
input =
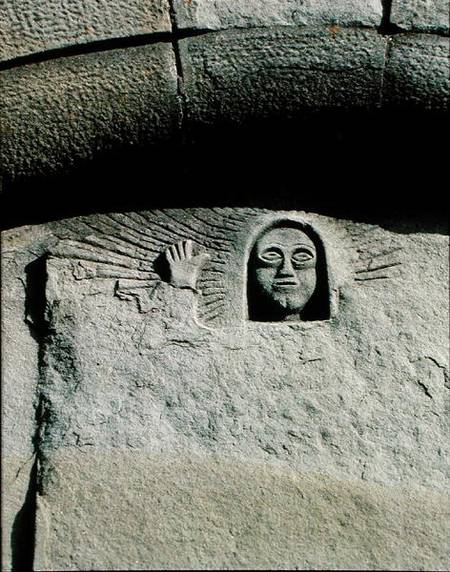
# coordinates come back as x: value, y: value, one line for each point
x: 286, y: 270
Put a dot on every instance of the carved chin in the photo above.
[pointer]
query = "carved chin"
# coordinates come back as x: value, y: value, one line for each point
x: 290, y: 303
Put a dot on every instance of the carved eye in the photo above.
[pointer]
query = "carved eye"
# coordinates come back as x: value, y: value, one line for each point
x: 271, y: 255
x: 302, y: 255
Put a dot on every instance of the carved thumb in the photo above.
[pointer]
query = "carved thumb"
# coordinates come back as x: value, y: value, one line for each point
x: 201, y: 259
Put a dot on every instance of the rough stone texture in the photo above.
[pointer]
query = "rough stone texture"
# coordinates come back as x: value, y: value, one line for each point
x: 222, y: 14
x: 57, y: 113
x: 27, y: 26
x: 318, y: 444
x: 417, y: 73
x: 20, y: 374
x: 237, y: 75
x: 124, y: 510
x: 421, y: 15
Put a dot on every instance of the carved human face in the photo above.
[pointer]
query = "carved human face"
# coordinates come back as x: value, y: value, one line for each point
x: 285, y: 270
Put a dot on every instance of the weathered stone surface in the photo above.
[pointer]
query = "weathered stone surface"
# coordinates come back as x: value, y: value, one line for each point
x: 239, y: 75
x: 123, y: 510
x: 61, y: 112
x: 222, y: 14
x: 417, y: 72
x: 421, y: 15
x: 27, y: 26
x: 194, y: 367
x: 57, y: 113
x: 327, y: 422
x: 175, y: 432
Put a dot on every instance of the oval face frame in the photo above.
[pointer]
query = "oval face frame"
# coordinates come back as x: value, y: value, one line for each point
x: 287, y: 277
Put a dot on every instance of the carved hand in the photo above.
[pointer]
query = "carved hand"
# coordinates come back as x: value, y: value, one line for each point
x: 184, y: 267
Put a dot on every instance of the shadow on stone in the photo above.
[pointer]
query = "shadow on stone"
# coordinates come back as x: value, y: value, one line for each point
x: 36, y: 277
x: 354, y: 164
x: 161, y: 267
x: 23, y: 530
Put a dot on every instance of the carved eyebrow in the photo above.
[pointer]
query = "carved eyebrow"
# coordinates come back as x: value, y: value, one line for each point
x: 302, y: 245
x: 276, y: 245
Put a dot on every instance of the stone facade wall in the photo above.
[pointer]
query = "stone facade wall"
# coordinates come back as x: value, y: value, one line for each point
x: 148, y: 419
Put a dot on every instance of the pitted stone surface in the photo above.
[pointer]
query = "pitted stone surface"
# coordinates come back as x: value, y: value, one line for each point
x: 237, y: 75
x: 417, y: 72
x: 27, y: 26
x: 222, y: 14
x: 421, y: 15
x: 61, y: 112
x: 57, y: 113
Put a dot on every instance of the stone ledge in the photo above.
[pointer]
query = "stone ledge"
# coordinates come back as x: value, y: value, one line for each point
x: 421, y: 15
x: 217, y: 15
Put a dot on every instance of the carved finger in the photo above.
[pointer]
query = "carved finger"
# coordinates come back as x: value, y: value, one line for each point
x: 180, y: 250
x: 188, y: 248
x: 169, y: 255
x: 174, y: 252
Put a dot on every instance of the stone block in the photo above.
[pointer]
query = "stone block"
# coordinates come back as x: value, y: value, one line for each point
x: 278, y: 73
x: 59, y: 112
x: 223, y: 14
x: 204, y: 373
x: 28, y: 27
x: 421, y: 15
x: 417, y: 73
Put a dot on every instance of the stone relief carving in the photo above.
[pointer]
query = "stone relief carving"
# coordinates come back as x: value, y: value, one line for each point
x: 136, y: 357
x: 220, y: 255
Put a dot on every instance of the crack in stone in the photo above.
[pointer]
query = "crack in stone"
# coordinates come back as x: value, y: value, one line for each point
x: 178, y: 65
x: 100, y: 46
x: 425, y: 389
x: 387, y: 53
x: 441, y: 367
x: 21, y: 467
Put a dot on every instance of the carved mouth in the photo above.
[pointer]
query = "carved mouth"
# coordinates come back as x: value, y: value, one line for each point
x: 285, y: 284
